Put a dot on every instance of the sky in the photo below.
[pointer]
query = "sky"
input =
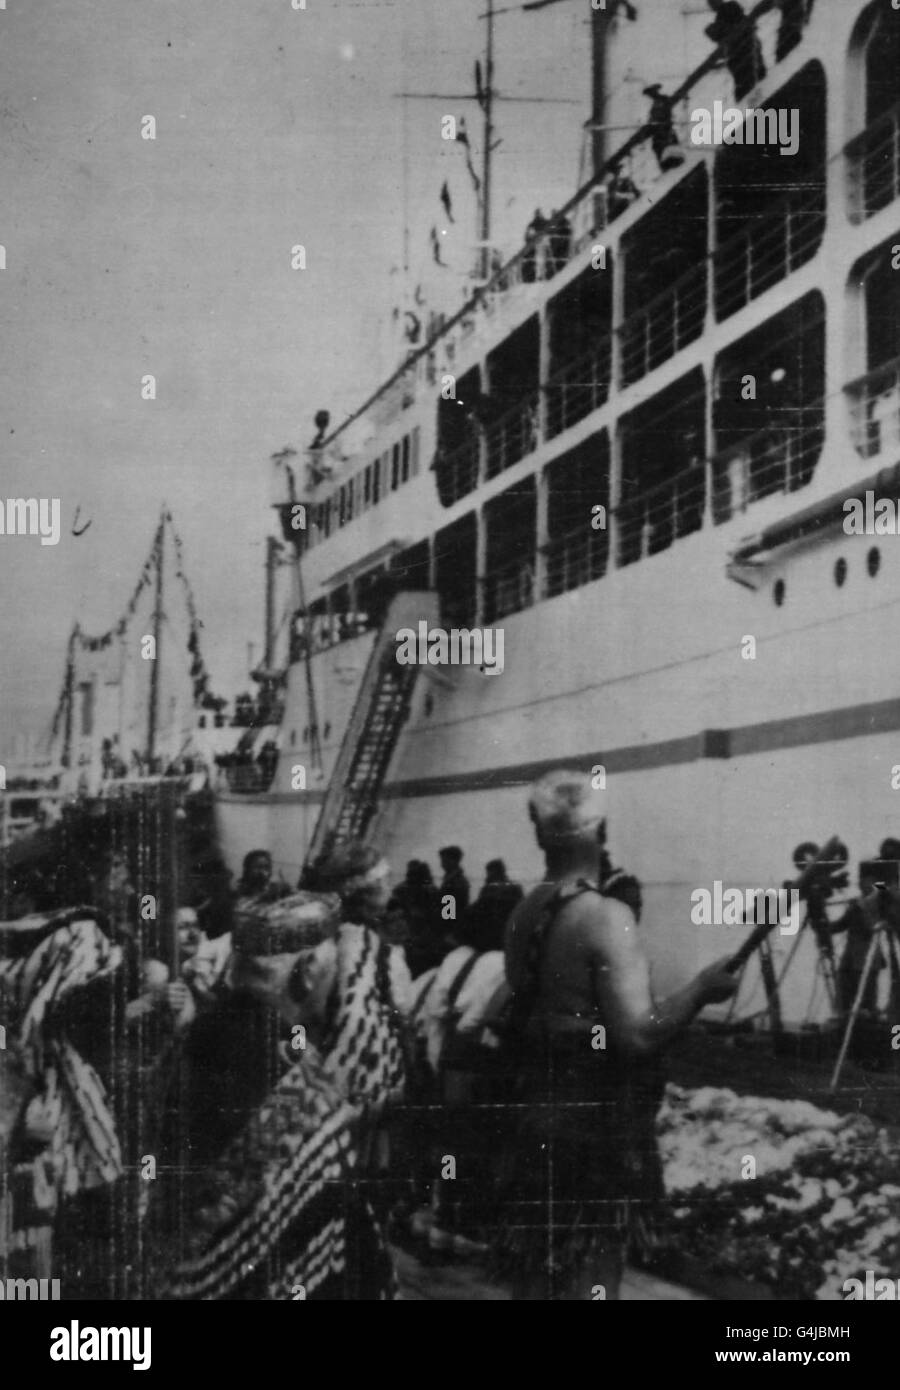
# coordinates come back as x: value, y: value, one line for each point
x: 128, y: 256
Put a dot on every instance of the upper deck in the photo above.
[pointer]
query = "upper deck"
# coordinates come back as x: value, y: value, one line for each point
x: 662, y: 365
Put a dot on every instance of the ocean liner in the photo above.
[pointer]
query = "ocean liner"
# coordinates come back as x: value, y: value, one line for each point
x: 631, y: 451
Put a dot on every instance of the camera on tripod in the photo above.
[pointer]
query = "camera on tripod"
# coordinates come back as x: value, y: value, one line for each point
x: 826, y: 877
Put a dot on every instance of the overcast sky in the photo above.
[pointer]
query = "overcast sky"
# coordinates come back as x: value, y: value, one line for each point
x: 127, y: 256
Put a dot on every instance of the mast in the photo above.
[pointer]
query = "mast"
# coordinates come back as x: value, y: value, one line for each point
x: 488, y: 140
x: 153, y: 710
x: 600, y: 19
x: 272, y: 548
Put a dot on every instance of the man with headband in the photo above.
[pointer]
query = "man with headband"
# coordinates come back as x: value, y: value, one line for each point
x: 587, y: 1031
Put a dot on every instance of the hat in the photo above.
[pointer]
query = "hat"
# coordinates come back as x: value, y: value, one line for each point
x: 451, y: 851
x: 295, y: 923
x: 653, y: 91
x: 566, y: 805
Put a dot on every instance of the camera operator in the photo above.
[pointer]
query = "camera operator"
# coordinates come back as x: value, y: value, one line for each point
x: 879, y: 901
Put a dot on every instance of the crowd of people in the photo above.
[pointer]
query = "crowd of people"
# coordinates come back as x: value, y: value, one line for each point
x: 328, y: 1073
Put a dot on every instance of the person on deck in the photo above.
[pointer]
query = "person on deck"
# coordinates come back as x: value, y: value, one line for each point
x: 454, y: 883
x: 490, y: 911
x: 418, y: 901
x: 588, y: 1035
x: 732, y: 30
x: 663, y: 138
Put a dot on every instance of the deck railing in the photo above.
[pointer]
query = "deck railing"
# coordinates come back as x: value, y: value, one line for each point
x: 574, y: 558
x: 769, y: 249
x: 665, y: 325
x: 779, y: 458
x: 578, y: 388
x: 508, y: 589
x: 247, y: 778
x: 874, y: 158
x: 652, y: 522
x: 875, y: 410
x: 458, y: 471
x: 512, y: 436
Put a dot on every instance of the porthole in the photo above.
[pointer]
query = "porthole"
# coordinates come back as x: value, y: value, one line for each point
x: 778, y: 592
x: 873, y: 561
x: 840, y: 571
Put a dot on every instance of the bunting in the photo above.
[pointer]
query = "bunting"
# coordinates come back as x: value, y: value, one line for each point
x: 79, y: 640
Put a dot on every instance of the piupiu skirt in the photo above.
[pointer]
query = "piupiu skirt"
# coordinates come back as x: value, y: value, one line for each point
x: 581, y: 1175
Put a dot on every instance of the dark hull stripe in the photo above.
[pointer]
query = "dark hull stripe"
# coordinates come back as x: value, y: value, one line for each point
x: 802, y: 730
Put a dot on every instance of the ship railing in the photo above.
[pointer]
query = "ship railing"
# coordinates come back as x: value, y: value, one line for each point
x: 875, y: 409
x: 574, y: 558
x: 512, y: 436
x: 247, y: 778
x: 458, y: 471
x: 776, y: 459
x: 651, y: 522
x: 578, y: 388
x: 507, y: 589
x: 665, y: 325
x: 770, y: 248
x: 874, y: 159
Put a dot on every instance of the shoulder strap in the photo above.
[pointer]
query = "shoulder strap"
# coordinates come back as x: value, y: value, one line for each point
x: 423, y: 995
x: 453, y: 992
x: 525, y: 998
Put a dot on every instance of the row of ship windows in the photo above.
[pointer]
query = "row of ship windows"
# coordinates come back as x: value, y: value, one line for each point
x: 366, y: 488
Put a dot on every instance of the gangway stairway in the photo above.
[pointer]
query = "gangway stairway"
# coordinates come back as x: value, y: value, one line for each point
x: 381, y: 708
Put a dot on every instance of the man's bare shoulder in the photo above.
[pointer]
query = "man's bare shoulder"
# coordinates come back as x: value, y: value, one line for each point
x: 593, y: 913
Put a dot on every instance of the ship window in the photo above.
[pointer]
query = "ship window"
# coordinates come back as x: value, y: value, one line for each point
x: 769, y: 411
x: 376, y: 481
x: 404, y: 464
x: 840, y: 571
x: 510, y: 411
x: 367, y: 486
x: 770, y: 209
x: 458, y: 439
x: 874, y: 60
x: 342, y: 505
x: 665, y: 278
x: 412, y: 566
x: 874, y: 397
x: 342, y: 620
x: 580, y: 349
x: 663, y: 486
x: 511, y: 536
x: 882, y: 65
x: 395, y: 467
x: 577, y: 548
x: 778, y: 592
x: 414, y: 464
x: 873, y: 561
x: 373, y: 595
x: 455, y: 549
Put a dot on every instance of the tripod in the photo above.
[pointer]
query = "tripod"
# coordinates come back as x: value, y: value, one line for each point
x: 814, y: 920
x: 882, y: 934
